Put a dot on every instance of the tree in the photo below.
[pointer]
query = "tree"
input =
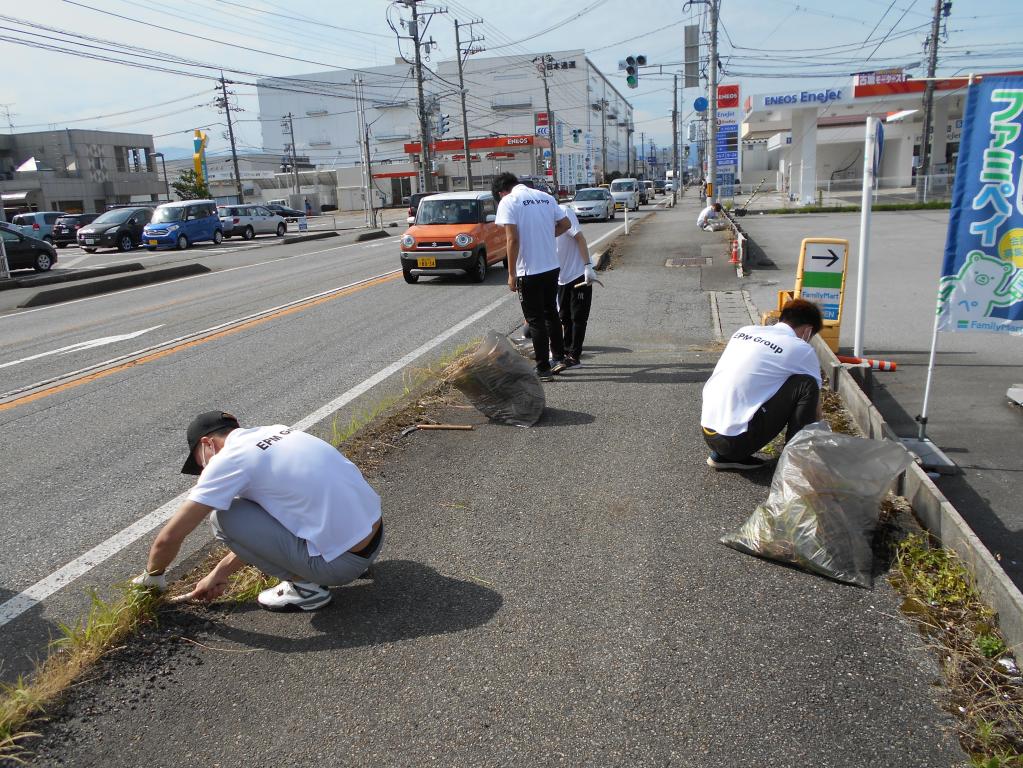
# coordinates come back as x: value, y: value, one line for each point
x: 189, y: 187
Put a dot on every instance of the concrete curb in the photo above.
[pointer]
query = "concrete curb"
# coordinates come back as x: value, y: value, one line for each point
x: 288, y: 239
x: 67, y: 277
x: 81, y: 290
x: 375, y: 234
x: 936, y: 512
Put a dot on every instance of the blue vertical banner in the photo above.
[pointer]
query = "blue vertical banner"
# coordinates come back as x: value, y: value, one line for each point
x: 981, y: 286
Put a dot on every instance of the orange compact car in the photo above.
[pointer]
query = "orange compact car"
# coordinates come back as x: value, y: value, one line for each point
x: 454, y: 233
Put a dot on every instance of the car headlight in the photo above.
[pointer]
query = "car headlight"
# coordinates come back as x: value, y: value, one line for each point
x: 463, y: 240
x: 407, y: 241
x: 111, y: 231
x: 173, y: 228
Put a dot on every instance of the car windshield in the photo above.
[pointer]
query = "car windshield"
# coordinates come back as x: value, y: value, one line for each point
x: 589, y: 194
x: 118, y: 216
x: 67, y: 220
x: 163, y: 215
x: 447, y: 212
x: 623, y: 186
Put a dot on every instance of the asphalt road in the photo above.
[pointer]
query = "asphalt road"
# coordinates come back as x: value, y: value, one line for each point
x: 970, y: 417
x: 95, y: 455
x: 553, y: 596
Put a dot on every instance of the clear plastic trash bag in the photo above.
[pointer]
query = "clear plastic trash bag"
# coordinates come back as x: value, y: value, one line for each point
x: 824, y: 504
x: 499, y: 382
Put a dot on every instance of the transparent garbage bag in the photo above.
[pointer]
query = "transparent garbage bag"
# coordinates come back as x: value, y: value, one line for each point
x: 499, y: 382
x: 824, y: 504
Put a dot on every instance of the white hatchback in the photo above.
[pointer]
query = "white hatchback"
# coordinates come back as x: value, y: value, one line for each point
x: 247, y: 221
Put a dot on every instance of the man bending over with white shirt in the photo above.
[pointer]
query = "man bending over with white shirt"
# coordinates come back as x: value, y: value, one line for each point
x: 281, y: 500
x: 768, y: 379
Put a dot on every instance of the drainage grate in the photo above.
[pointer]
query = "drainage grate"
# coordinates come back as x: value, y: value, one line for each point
x: 689, y: 262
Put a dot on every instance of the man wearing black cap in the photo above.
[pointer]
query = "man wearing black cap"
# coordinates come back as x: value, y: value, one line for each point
x: 281, y: 500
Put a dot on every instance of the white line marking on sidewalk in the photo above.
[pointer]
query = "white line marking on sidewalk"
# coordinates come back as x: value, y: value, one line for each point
x: 81, y: 565
x: 83, y: 345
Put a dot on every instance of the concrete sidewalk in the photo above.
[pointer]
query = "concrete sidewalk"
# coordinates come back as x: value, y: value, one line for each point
x: 548, y: 596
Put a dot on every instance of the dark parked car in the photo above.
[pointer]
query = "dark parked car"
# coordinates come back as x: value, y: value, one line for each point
x: 285, y: 211
x: 120, y: 228
x: 659, y: 186
x: 65, y: 230
x: 25, y: 252
x: 413, y: 204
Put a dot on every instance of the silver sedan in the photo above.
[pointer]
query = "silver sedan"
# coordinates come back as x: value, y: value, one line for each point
x: 594, y: 204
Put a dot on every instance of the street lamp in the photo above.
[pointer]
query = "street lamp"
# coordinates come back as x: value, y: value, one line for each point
x: 166, y: 184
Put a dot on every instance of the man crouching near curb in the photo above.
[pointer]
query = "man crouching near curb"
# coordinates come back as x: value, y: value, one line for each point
x: 282, y: 500
x: 767, y: 379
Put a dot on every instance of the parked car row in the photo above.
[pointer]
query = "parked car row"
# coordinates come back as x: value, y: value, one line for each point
x: 24, y: 252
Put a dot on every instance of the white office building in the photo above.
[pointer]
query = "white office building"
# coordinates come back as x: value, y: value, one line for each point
x: 507, y: 116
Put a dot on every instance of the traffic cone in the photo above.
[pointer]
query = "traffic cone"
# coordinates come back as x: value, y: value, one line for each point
x: 735, y: 253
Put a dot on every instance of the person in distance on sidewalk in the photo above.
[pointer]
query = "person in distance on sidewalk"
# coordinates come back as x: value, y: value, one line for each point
x: 575, y: 287
x: 532, y: 220
x: 768, y: 379
x: 282, y: 500
x: 711, y: 219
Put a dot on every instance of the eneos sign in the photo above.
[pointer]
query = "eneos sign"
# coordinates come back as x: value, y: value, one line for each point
x: 804, y: 97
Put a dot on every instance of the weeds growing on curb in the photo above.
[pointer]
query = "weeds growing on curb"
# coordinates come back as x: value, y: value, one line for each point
x: 80, y: 646
x: 985, y: 688
x: 933, y: 205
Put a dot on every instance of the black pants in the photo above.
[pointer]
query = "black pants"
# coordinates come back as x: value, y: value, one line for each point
x: 791, y: 408
x: 538, y: 297
x: 574, y: 302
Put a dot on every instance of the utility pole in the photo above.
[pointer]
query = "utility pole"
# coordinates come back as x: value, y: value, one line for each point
x: 225, y: 104
x: 542, y: 62
x: 462, y: 56
x: 675, y: 175
x: 367, y: 203
x: 712, y: 118
x: 288, y: 124
x: 642, y: 154
x: 603, y: 140
x: 424, y: 128
x: 925, y: 138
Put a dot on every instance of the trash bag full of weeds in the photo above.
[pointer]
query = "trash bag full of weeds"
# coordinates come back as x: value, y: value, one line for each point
x: 824, y: 504
x: 499, y: 382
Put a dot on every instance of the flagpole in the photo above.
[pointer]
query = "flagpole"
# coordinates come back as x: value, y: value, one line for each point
x: 922, y: 418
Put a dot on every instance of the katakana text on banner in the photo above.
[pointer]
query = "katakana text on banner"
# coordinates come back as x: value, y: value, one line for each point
x: 981, y: 285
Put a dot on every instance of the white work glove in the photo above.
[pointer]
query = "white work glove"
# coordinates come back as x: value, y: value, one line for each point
x: 148, y: 580
x: 590, y: 276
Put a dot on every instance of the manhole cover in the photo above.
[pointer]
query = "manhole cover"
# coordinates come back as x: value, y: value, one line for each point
x: 688, y: 262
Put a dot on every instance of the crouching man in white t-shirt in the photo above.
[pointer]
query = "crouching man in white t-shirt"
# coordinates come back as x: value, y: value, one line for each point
x: 768, y: 379
x: 281, y: 500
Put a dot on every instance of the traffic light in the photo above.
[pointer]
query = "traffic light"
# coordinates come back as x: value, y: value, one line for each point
x: 443, y: 124
x: 632, y: 65
x: 576, y: 133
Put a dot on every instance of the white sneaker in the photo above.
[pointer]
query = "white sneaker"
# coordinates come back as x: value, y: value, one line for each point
x: 295, y: 596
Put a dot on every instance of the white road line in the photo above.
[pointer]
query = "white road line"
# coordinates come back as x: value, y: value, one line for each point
x: 81, y: 565
x: 178, y: 280
x: 82, y: 345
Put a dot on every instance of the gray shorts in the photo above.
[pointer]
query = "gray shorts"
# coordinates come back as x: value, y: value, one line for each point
x: 260, y: 540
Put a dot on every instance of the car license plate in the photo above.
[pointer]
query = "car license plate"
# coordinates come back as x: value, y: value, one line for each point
x: 427, y: 261
x: 152, y: 242
x: 620, y: 205
x: 90, y: 241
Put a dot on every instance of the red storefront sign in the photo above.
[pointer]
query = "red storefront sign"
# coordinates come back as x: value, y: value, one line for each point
x: 728, y: 96
x: 491, y: 142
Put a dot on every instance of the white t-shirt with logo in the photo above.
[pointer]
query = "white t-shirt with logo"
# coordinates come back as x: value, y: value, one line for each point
x: 705, y: 214
x: 754, y: 365
x: 535, y: 213
x: 569, y: 261
x: 303, y: 482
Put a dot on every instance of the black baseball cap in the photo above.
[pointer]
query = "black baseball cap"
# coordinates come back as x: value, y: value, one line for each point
x: 202, y: 425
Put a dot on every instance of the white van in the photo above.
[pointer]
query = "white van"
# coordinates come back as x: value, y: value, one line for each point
x: 626, y: 193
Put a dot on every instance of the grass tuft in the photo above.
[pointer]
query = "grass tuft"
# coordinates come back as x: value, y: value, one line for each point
x: 985, y: 689
x: 80, y: 646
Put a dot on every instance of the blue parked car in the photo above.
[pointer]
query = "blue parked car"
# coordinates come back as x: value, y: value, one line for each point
x: 179, y: 225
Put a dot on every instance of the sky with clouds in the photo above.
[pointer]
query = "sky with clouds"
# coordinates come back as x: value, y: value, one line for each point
x: 766, y: 45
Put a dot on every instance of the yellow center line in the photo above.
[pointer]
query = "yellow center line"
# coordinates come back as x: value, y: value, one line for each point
x: 90, y: 377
